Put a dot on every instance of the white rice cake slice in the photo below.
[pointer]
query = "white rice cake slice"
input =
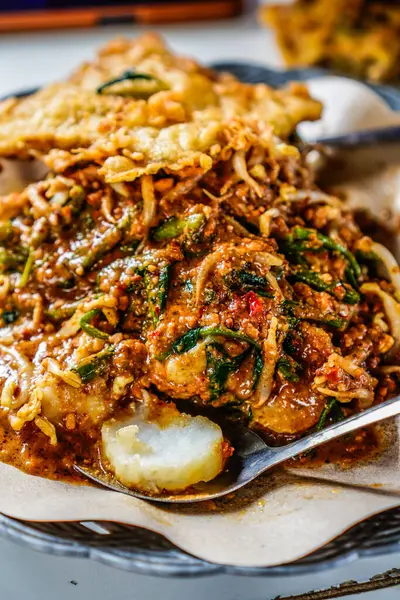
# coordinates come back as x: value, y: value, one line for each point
x: 165, y: 450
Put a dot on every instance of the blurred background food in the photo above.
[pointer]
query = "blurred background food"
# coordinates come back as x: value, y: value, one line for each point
x: 357, y: 37
x: 360, y: 38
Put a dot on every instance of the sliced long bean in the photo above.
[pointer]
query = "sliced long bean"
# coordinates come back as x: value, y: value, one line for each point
x: 174, y: 227
x: 63, y: 312
x: 27, y: 269
x: 90, y: 369
x: 88, y: 328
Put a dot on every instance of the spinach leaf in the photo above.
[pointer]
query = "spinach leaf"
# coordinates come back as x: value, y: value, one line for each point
x: 332, y: 409
x: 66, y: 284
x: 13, y: 260
x: 186, y: 342
x: 157, y: 291
x: 289, y: 368
x: 189, y: 340
x: 317, y: 283
x: 294, y: 246
x: 287, y: 308
x: 258, y: 367
x: 10, y: 316
x: 244, y: 280
x: 219, y: 366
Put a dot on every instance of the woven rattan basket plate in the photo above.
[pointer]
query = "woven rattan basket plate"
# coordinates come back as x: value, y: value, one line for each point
x: 142, y: 551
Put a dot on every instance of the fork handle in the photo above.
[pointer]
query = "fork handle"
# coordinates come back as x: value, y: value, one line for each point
x: 390, y: 408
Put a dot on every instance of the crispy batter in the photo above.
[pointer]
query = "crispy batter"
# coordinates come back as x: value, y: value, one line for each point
x: 194, y: 118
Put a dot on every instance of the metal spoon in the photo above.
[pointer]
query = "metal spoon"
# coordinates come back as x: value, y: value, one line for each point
x: 253, y: 457
x: 366, y: 137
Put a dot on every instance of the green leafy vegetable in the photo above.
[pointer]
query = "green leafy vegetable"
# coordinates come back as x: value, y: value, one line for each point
x: 258, y: 366
x: 125, y: 269
x: 130, y: 247
x: 289, y: 343
x: 330, y: 244
x: 363, y: 256
x: 89, y: 370
x: 219, y: 366
x: 27, y: 269
x: 10, y: 316
x: 189, y: 340
x: 332, y: 409
x: 246, y: 281
x: 163, y: 282
x: 6, y: 231
x: 294, y: 251
x: 294, y: 246
x: 66, y: 284
x: 185, y: 343
x: 85, y: 324
x: 291, y: 307
x: 317, y: 283
x: 100, y: 247
x: 174, y: 227
x: 76, y: 199
x: 157, y: 292
x: 12, y: 260
x: 289, y: 368
x: 229, y: 333
x: 288, y: 307
x: 129, y: 75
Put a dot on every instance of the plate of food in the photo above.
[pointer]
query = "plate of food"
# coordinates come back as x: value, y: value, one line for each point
x: 169, y: 266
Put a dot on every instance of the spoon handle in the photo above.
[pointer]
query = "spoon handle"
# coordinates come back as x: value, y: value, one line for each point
x: 388, y: 409
x: 363, y: 138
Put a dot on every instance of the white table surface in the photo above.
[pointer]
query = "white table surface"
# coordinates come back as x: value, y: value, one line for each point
x: 31, y: 59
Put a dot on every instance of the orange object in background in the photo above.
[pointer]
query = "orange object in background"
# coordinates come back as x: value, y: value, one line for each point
x: 53, y: 14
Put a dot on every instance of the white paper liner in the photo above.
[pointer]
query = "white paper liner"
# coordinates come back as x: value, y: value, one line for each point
x: 284, y: 515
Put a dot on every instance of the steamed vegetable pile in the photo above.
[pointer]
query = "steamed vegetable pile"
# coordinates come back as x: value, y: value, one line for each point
x: 234, y: 286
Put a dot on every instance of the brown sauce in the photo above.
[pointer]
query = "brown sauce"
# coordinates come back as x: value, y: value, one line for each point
x: 30, y: 451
